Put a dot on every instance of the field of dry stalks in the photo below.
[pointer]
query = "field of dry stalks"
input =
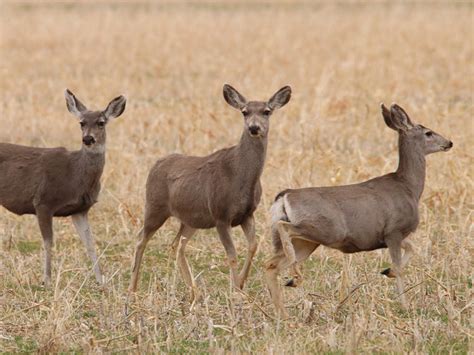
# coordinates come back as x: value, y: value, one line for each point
x: 171, y: 61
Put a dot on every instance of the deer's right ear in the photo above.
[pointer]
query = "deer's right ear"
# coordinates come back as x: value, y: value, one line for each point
x: 233, y: 97
x: 73, y: 104
x: 280, y: 98
x: 387, y: 117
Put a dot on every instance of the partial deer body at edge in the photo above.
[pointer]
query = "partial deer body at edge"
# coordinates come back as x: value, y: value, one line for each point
x: 51, y: 182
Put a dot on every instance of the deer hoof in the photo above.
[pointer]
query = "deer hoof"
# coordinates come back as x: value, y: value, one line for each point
x: 291, y: 283
x: 389, y: 273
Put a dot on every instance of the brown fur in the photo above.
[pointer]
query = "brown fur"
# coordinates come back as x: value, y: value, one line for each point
x: 49, y: 182
x: 219, y: 190
x: 378, y: 213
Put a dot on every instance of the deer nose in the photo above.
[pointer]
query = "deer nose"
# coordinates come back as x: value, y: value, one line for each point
x: 254, y: 130
x: 88, y: 140
x: 450, y: 144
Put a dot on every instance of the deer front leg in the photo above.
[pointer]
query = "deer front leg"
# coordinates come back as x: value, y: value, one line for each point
x: 394, y: 248
x: 45, y: 221
x: 249, y: 230
x: 224, y: 234
x: 81, y: 222
x: 409, y: 251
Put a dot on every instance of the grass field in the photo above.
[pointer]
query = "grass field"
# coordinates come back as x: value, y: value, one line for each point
x: 171, y: 61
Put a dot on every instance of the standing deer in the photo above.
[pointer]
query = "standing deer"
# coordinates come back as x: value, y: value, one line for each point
x: 220, y: 190
x: 378, y: 213
x: 54, y: 182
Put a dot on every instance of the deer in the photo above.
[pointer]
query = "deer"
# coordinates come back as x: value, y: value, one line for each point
x: 55, y: 182
x: 221, y: 190
x: 378, y: 213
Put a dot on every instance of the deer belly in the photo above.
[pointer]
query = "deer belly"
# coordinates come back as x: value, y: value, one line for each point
x: 80, y: 206
x: 19, y: 208
x: 351, y: 245
x: 199, y: 218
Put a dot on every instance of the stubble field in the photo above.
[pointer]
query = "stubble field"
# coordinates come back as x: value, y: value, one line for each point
x: 171, y: 61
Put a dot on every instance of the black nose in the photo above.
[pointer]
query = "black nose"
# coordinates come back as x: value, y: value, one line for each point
x: 450, y: 145
x: 254, y: 130
x: 88, y: 140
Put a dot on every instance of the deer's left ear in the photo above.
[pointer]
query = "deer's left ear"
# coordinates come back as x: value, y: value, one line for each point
x: 400, y: 118
x: 280, y: 98
x: 115, y: 107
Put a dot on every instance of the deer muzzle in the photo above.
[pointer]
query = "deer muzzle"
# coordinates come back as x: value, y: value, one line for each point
x: 88, y: 140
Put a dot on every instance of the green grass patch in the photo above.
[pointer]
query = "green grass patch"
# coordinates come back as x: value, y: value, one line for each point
x: 443, y: 344
x: 28, y: 246
x: 26, y: 345
x: 186, y: 346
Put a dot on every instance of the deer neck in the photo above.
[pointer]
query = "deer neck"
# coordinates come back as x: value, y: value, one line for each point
x: 91, y: 164
x: 412, y: 165
x: 251, y: 153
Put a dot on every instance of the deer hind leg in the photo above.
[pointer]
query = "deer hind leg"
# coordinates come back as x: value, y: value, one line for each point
x: 45, y: 221
x: 273, y: 267
x: 151, y: 225
x: 249, y: 230
x: 394, y: 248
x: 184, y: 236
x: 175, y: 243
x: 284, y: 230
x: 278, y: 263
x: 303, y: 249
x: 81, y: 223
x: 224, y: 234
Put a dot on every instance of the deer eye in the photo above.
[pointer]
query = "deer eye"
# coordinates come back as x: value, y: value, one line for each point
x: 245, y: 112
x: 429, y: 134
x: 101, y: 123
x: 267, y: 112
x: 82, y: 123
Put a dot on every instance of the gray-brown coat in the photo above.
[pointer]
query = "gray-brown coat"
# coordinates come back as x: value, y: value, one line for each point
x: 377, y: 213
x: 52, y: 182
x: 220, y: 190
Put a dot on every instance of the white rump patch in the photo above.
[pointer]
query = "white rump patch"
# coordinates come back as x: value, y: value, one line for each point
x: 277, y: 210
x: 290, y: 215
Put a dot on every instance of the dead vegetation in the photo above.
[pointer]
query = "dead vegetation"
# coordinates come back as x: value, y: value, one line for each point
x: 171, y: 61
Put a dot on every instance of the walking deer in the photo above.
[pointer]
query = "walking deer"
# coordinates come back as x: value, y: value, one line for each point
x: 378, y: 213
x: 55, y: 182
x: 220, y: 190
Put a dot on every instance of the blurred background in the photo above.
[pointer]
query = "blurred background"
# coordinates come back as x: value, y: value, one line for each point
x: 171, y: 59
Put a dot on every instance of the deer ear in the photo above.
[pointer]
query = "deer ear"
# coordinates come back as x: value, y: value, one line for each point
x: 280, y: 98
x: 73, y: 104
x: 400, y: 118
x: 115, y: 107
x: 233, y: 97
x: 387, y: 117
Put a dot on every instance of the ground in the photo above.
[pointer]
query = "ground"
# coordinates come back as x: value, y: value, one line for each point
x: 171, y: 61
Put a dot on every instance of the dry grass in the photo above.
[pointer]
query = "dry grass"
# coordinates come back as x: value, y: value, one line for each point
x: 171, y: 61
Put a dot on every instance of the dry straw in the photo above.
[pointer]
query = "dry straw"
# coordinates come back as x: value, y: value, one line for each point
x: 171, y: 61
